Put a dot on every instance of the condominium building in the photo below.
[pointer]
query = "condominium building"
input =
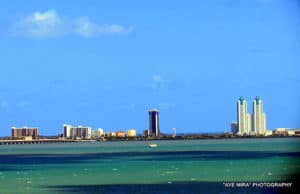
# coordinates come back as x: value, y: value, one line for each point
x: 77, y: 132
x: 24, y: 132
x: 258, y: 117
x: 243, y: 117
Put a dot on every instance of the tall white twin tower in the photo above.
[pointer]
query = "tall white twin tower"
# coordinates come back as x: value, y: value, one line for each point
x: 247, y: 124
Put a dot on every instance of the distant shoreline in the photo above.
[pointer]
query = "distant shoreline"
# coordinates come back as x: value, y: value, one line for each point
x: 116, y: 139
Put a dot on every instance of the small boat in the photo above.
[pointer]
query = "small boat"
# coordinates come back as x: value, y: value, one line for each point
x: 152, y: 145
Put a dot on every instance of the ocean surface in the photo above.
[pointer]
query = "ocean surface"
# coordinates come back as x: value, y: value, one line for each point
x: 181, y: 166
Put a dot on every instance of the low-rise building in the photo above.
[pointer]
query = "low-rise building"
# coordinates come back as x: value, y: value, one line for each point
x: 131, y: 133
x: 291, y: 133
x: 98, y: 132
x: 234, y: 127
x: 146, y: 133
x: 28, y: 138
x: 297, y: 131
x: 284, y: 131
x: 120, y: 134
x: 268, y: 133
x: 109, y: 134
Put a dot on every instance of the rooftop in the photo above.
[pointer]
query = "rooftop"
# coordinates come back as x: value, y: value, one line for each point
x: 154, y: 110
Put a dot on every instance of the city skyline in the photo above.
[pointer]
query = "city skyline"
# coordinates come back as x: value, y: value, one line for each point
x: 103, y: 65
x: 247, y: 124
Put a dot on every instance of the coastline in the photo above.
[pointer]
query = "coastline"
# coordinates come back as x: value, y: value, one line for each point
x: 6, y: 141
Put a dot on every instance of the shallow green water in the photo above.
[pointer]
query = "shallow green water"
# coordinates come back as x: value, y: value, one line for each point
x: 55, y: 168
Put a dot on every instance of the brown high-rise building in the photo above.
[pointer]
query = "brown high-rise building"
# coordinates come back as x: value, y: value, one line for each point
x: 25, y: 132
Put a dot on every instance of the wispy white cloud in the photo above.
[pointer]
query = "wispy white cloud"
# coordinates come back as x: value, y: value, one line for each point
x: 51, y: 24
x: 158, y: 82
x: 86, y: 28
x: 40, y: 24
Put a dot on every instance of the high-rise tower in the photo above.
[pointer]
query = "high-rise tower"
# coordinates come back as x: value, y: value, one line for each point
x: 243, y: 117
x: 259, y: 117
x: 153, y: 123
x: 67, y: 130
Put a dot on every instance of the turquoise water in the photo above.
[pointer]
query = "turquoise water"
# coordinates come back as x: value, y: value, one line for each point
x: 114, y: 167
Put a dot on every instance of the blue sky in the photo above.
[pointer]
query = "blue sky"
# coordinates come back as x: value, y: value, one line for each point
x: 106, y: 63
